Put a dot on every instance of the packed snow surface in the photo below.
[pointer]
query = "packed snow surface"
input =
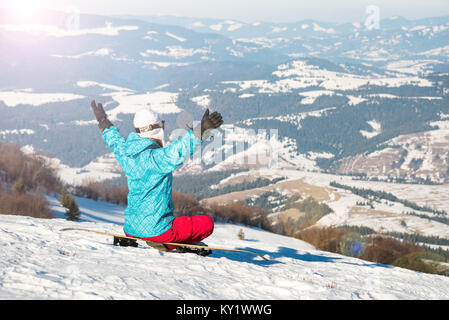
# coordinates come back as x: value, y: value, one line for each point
x: 38, y: 261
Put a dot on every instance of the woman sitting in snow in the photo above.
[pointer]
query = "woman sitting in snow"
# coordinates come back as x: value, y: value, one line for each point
x: 148, y: 165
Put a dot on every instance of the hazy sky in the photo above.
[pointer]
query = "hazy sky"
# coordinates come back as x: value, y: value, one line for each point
x: 252, y: 10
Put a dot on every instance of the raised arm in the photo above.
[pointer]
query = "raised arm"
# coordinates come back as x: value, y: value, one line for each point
x: 100, y: 115
x: 165, y: 160
x: 208, y: 123
x: 110, y: 134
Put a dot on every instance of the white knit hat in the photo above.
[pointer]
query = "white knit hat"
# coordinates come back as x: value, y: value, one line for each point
x: 145, y: 117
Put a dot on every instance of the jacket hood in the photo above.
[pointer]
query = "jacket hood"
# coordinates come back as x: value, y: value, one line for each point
x: 136, y: 144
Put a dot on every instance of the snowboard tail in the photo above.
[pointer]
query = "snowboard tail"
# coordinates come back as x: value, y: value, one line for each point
x: 184, y: 247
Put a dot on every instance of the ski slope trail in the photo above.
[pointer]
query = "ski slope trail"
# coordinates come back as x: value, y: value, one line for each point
x: 37, y: 261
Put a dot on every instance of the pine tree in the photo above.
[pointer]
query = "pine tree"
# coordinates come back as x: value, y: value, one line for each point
x: 64, y: 197
x: 68, y: 201
x: 73, y: 211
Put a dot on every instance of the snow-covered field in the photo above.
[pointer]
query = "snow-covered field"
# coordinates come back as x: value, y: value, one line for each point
x: 299, y: 74
x: 29, y: 97
x: 37, y: 261
x: 129, y: 103
x: 423, y: 154
x: 384, y: 216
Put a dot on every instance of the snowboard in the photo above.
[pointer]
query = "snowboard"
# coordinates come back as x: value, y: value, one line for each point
x: 180, y: 245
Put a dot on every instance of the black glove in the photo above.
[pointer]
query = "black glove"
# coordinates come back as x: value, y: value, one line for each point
x: 100, y: 115
x: 209, y: 122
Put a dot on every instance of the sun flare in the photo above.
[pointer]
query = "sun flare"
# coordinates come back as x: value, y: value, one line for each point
x: 25, y: 10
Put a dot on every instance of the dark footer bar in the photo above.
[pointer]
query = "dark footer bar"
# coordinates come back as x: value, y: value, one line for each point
x: 218, y: 309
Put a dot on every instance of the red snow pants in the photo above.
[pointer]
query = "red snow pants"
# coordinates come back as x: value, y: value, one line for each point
x: 186, y: 230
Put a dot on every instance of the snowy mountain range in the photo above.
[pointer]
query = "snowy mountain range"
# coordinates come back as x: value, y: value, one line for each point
x: 395, y: 37
x: 342, y: 98
x: 38, y: 261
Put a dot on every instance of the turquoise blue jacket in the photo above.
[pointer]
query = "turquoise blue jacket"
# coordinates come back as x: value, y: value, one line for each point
x: 148, y: 169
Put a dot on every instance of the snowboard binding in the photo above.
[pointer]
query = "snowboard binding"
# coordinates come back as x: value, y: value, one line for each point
x: 124, y: 242
x: 199, y: 251
x: 179, y: 248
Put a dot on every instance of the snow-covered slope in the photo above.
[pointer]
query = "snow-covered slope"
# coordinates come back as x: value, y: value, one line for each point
x: 37, y: 261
